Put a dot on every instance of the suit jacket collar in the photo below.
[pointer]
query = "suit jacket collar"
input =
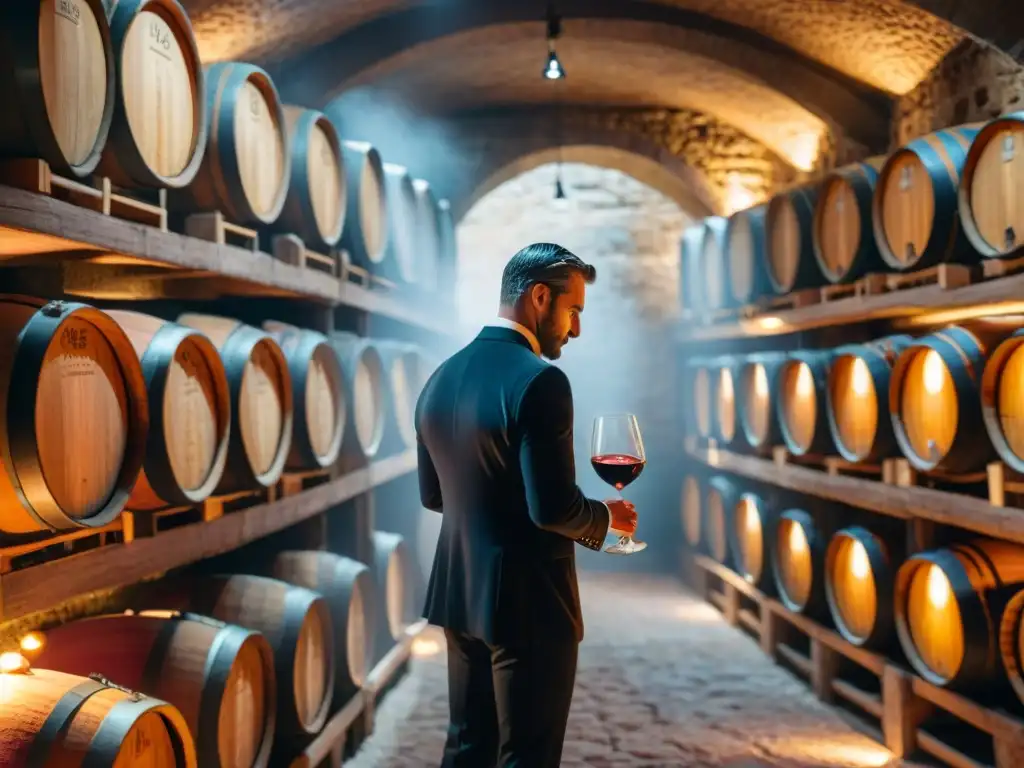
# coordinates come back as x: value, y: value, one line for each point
x: 503, y: 333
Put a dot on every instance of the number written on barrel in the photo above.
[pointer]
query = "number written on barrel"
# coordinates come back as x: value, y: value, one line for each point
x: 74, y: 339
x: 69, y: 10
x: 159, y: 36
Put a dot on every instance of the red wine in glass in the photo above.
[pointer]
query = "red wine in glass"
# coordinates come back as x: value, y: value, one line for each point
x: 617, y: 456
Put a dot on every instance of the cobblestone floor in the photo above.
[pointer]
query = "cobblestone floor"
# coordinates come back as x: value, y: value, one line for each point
x: 662, y: 682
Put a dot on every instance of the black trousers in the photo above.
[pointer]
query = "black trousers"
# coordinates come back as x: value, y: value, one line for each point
x: 508, y: 707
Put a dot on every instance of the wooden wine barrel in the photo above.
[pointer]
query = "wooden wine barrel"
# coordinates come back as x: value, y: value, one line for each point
x: 219, y: 676
x: 725, y: 379
x: 751, y: 534
x: 296, y: 622
x: 1001, y: 384
x: 56, y: 83
x: 720, y: 502
x: 859, y: 578
x: 797, y: 561
x: 690, y: 265
x: 802, y: 402
x: 914, y: 209
x: 365, y: 236
x: 319, y: 394
x: 74, y: 418
x: 189, y: 412
x: 159, y: 130
x: 857, y: 388
x: 715, y: 263
x: 745, y: 254
x: 987, y: 194
x: 261, y: 401
x: 347, y: 586
x: 789, y: 240
x: 314, y: 207
x: 758, y: 389
x: 391, y: 573
x: 1011, y: 643
x: 401, y: 389
x: 949, y: 603
x: 448, y: 266
x: 363, y: 371
x: 692, y: 512
x: 63, y: 719
x: 428, y: 233
x: 700, y: 388
x: 935, y: 396
x: 247, y: 167
x: 402, y: 246
x: 844, y: 238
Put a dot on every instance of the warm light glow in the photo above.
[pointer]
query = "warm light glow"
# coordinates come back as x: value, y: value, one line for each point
x: 804, y: 381
x: 934, y: 370
x: 12, y: 663
x: 760, y: 382
x: 725, y: 386
x: 860, y: 568
x: 425, y: 646
x: 939, y: 590
x: 945, y: 316
x: 797, y: 540
x: 804, y: 150
x: 860, y: 378
x: 769, y: 323
x: 738, y: 194
x: 824, y: 749
x: 697, y: 613
x: 33, y: 642
x: 753, y: 522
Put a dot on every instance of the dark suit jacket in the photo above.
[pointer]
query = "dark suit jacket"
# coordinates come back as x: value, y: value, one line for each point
x: 495, y: 440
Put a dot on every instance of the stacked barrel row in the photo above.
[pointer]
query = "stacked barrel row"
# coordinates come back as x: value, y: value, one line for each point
x: 128, y: 98
x: 239, y: 670
x: 949, y: 402
x: 954, y: 612
x: 950, y: 196
x: 113, y: 410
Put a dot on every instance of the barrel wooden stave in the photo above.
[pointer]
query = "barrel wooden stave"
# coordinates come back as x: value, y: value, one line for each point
x: 363, y: 370
x: 246, y: 167
x: 797, y: 562
x: 859, y: 576
x: 725, y: 425
x: 745, y: 254
x: 700, y: 391
x: 987, y: 197
x: 319, y: 396
x: 690, y: 265
x: 843, y: 233
x: 316, y: 200
x: 751, y: 534
x: 949, y: 603
x: 402, y: 387
x: 756, y: 395
x: 1011, y: 643
x: 159, y: 130
x: 802, y: 402
x: 789, y: 244
x: 57, y: 83
x: 692, y: 512
x: 365, y: 235
x: 856, y: 391
x: 1000, y: 400
x: 714, y: 259
x: 219, y: 676
x: 914, y: 208
x: 347, y: 586
x: 722, y: 496
x: 74, y: 420
x: 428, y: 233
x: 108, y: 728
x: 402, y: 248
x: 261, y: 401
x: 391, y: 574
x: 448, y: 263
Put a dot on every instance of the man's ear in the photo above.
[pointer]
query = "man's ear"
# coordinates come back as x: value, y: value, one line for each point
x: 540, y: 295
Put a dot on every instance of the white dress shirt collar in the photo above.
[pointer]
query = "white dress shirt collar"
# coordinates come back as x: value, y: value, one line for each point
x: 504, y: 322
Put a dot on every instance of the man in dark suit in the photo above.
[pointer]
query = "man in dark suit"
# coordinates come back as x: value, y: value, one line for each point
x: 495, y: 439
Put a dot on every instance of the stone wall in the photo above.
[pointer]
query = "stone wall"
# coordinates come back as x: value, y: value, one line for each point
x: 623, y: 358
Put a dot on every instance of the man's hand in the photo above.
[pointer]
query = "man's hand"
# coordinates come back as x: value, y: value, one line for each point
x: 623, y: 516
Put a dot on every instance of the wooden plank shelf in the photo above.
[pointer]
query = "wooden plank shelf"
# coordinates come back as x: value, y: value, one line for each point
x: 905, y: 502
x: 385, y: 670
x: 41, y: 587
x: 100, y: 256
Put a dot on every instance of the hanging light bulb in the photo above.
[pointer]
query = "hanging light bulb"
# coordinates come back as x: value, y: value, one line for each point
x: 553, y: 69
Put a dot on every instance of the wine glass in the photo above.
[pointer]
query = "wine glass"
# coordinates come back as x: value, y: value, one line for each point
x: 617, y: 455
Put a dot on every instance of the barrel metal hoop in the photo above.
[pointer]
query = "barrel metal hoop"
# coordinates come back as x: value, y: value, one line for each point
x: 58, y: 721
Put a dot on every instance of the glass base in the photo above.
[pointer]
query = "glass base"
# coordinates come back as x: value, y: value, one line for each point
x: 615, y: 544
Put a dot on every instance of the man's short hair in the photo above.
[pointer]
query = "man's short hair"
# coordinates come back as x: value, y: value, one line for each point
x: 545, y: 263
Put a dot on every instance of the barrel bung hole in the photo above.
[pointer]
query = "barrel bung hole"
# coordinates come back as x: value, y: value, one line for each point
x: 934, y: 621
x: 725, y: 403
x: 795, y: 565
x: 1010, y: 401
x: 854, y: 591
x: 799, y: 403
x: 928, y: 406
x: 750, y: 538
x: 854, y: 404
x: 757, y: 403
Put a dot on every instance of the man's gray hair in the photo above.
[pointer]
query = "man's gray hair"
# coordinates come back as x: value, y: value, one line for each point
x: 545, y: 263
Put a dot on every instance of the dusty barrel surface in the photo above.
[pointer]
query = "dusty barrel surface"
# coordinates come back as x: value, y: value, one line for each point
x: 751, y: 535
x: 403, y: 245
x: 261, y: 401
x: 219, y: 676
x: 745, y: 254
x: 948, y: 607
x: 189, y: 412
x: 56, y: 83
x: 857, y: 390
x: 318, y: 395
x: 363, y: 370
x: 392, y: 571
x: 314, y: 207
x: 429, y: 234
x: 53, y: 718
x: 365, y: 235
x: 860, y: 574
x: 347, y: 586
x: 844, y: 238
x: 246, y: 168
x: 722, y: 496
x: 802, y: 402
x: 74, y: 422
x: 715, y: 263
x: 797, y: 562
x: 789, y: 240
x: 988, y: 197
x: 159, y: 131
x: 757, y: 393
x: 914, y: 209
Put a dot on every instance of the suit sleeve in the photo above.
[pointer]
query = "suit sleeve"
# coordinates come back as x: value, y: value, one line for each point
x: 430, y: 483
x: 555, y: 501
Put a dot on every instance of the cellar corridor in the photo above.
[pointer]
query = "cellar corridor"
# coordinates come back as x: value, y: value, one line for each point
x: 663, y: 682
